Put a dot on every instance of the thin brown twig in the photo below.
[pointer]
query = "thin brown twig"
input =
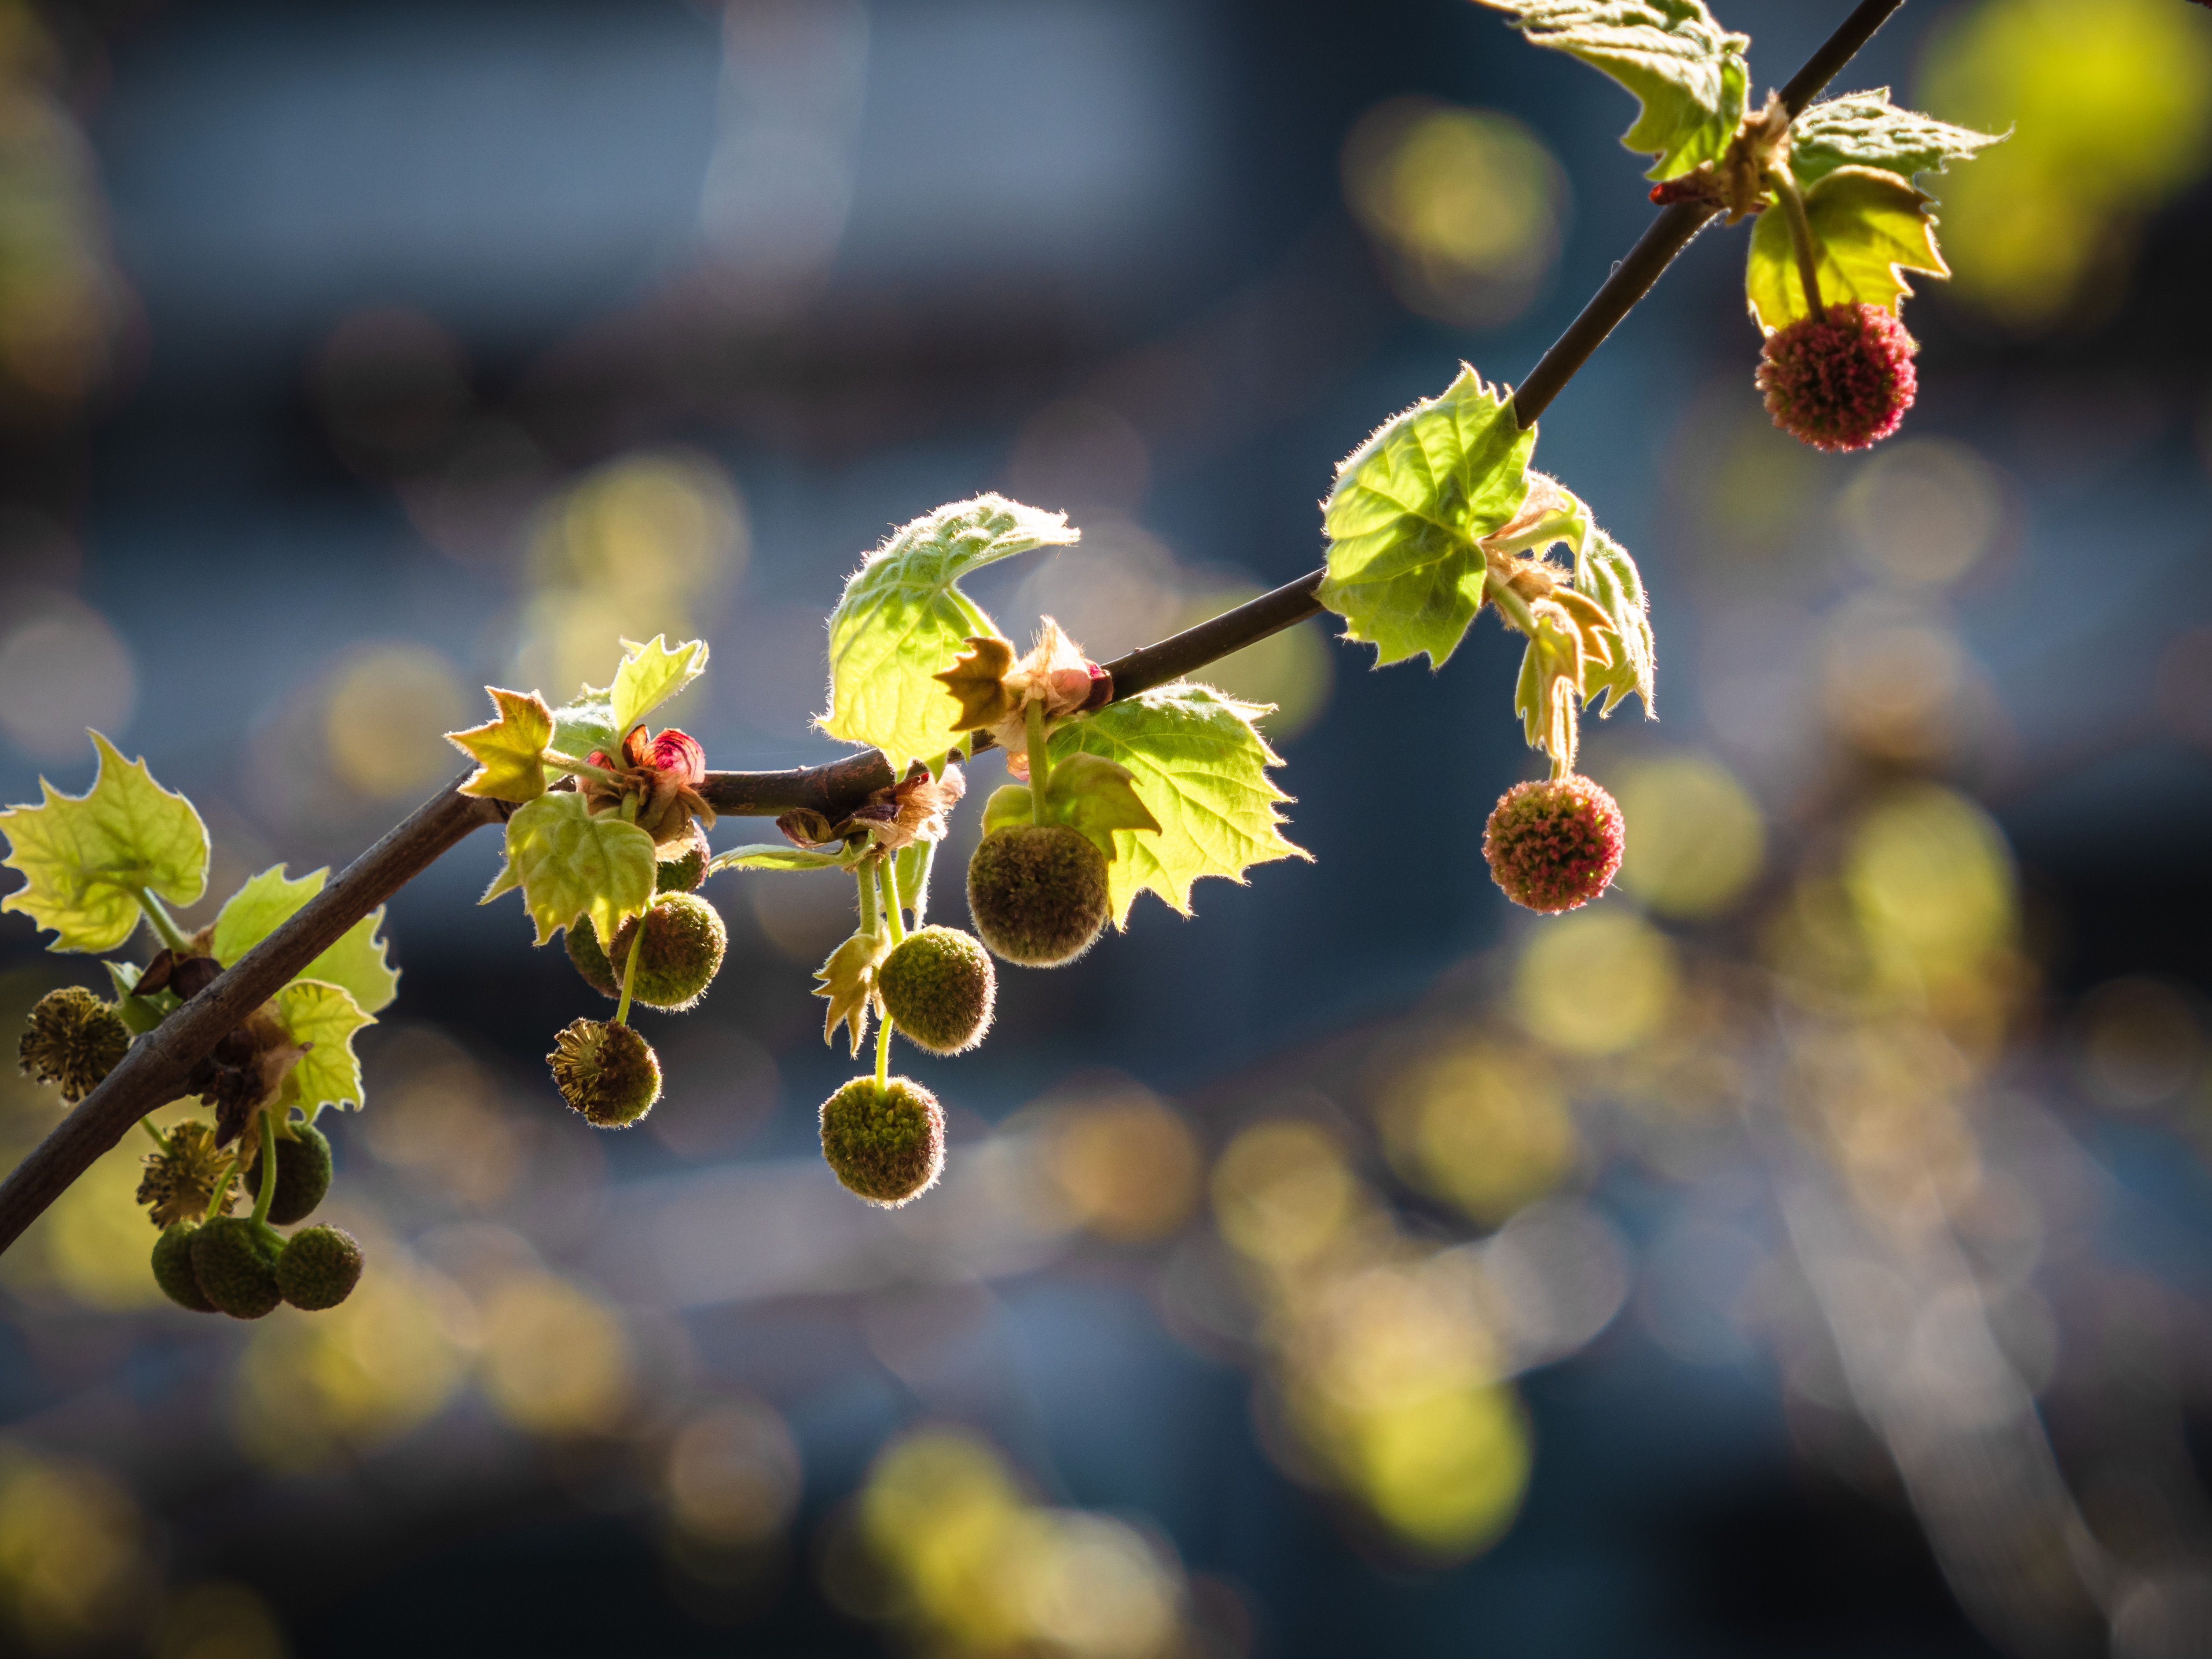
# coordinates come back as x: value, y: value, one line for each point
x: 154, y: 1071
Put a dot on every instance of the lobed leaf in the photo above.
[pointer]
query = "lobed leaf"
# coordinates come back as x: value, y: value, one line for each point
x: 649, y: 676
x: 1409, y: 509
x: 1200, y: 767
x: 1864, y: 129
x: 572, y: 863
x: 357, y: 963
x: 509, y: 750
x: 585, y: 723
x: 323, y: 1018
x: 1089, y: 793
x: 84, y: 857
x: 903, y: 618
x: 1870, y: 227
x: 1688, y: 72
x: 1605, y: 574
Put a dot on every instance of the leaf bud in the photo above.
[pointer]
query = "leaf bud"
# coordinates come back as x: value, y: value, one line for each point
x: 939, y: 986
x: 1038, y: 893
x: 319, y: 1267
x: 172, y: 1268
x: 606, y: 1072
x: 1555, y: 843
x: 235, y: 1264
x: 303, y: 1175
x: 885, y: 1141
x: 75, y: 1040
x: 1840, y: 380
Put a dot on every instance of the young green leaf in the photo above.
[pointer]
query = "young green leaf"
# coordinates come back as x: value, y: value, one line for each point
x: 1864, y: 129
x: 509, y: 750
x: 570, y: 862
x: 1870, y: 227
x: 585, y: 724
x: 767, y: 855
x: 1686, y: 69
x: 325, y: 1017
x: 649, y: 676
x: 1550, y: 691
x: 356, y: 962
x: 903, y: 617
x: 848, y: 980
x: 1089, y: 793
x: 1605, y: 574
x: 84, y: 858
x: 1200, y: 767
x: 1410, y: 505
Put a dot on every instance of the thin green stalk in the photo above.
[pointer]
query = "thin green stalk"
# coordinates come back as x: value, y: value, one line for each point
x: 866, y: 878
x: 630, y: 974
x: 1801, y: 236
x: 893, y: 910
x: 1040, y: 765
x: 156, y: 913
x: 883, y: 1053
x: 918, y: 900
x: 268, y: 1194
x: 222, y: 1194
x: 160, y: 1140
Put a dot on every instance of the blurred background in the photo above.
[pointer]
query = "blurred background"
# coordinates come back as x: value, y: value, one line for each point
x: 1807, y: 1249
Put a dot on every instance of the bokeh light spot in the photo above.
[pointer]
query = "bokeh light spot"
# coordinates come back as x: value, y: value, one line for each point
x: 1696, y: 838
x: 1595, y: 982
x: 63, y: 668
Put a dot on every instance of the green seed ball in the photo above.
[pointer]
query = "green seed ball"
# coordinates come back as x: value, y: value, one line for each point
x: 886, y: 1142
x: 682, y: 862
x: 590, y: 961
x: 938, y: 986
x: 684, y: 939
x: 172, y: 1268
x: 1037, y: 892
x: 318, y: 1268
x: 303, y: 1175
x: 234, y: 1263
x: 606, y: 1072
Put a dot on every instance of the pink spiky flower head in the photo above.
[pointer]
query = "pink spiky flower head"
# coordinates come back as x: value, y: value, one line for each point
x: 1553, y: 844
x: 1842, y: 380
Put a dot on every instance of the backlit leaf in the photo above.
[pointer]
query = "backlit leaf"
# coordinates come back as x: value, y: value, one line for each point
x: 1870, y: 227
x: 1864, y: 129
x: 509, y: 750
x: 571, y: 862
x: 357, y: 963
x: 1605, y: 574
x: 649, y: 676
x: 328, y: 1074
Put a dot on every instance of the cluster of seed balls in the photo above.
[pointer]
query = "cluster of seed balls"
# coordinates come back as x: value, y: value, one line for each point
x: 243, y: 1267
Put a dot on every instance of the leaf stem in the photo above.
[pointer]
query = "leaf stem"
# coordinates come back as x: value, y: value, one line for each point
x: 267, y: 1195
x: 159, y: 915
x: 866, y: 878
x: 1040, y: 762
x: 221, y: 1193
x: 1801, y: 236
x: 160, y: 1140
x: 893, y: 915
x: 630, y: 973
x: 883, y: 1051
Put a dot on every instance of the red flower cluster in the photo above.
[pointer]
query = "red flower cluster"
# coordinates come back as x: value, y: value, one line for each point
x: 663, y: 771
x: 1553, y: 845
x: 1840, y: 381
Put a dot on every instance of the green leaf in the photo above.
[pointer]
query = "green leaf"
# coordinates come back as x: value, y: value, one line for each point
x: 1870, y: 227
x: 1605, y: 574
x: 509, y: 750
x: 1200, y: 767
x: 267, y: 901
x: 1409, y: 507
x: 768, y: 855
x: 650, y: 675
x: 1864, y: 129
x: 328, y: 1074
x: 903, y: 617
x: 585, y: 724
x: 1686, y: 70
x: 85, y: 857
x: 570, y: 862
x: 1088, y: 793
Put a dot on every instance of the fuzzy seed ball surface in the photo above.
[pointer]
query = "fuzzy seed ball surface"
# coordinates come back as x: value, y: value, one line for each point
x: 318, y: 1268
x: 234, y: 1263
x: 1553, y: 844
x: 938, y: 986
x: 886, y: 1142
x: 303, y: 1175
x: 172, y: 1268
x: 1037, y: 892
x: 74, y: 1039
x: 1840, y: 381
x: 682, y: 862
x: 606, y: 1072
x: 583, y: 946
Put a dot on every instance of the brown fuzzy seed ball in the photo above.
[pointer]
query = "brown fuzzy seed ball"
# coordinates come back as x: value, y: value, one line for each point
x: 234, y: 1263
x: 938, y: 986
x: 303, y: 1175
x: 172, y: 1268
x: 1553, y: 844
x: 682, y: 862
x: 684, y: 939
x: 1038, y: 895
x: 320, y: 1267
x: 606, y: 1072
x: 886, y: 1142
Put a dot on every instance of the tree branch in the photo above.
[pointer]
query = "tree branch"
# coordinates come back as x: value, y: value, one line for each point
x: 153, y: 1071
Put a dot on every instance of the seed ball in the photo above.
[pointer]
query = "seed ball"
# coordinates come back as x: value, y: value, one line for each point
x: 303, y: 1175
x: 606, y: 1072
x: 1840, y: 381
x: 172, y: 1268
x: 73, y: 1039
x: 937, y: 985
x: 684, y: 939
x: 886, y: 1142
x: 318, y: 1268
x: 590, y: 960
x: 234, y: 1263
x: 682, y: 861
x: 1037, y: 892
x: 1553, y: 844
